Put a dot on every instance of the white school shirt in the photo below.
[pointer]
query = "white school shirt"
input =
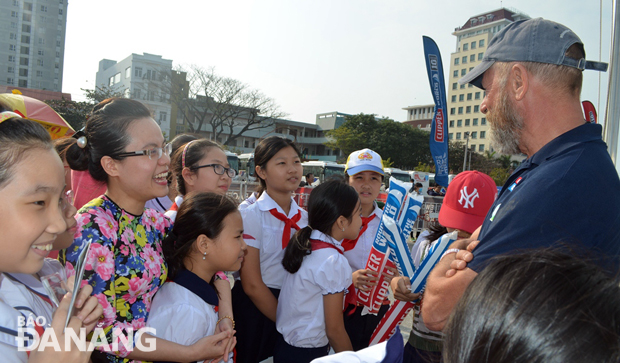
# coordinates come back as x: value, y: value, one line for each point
x: 300, y: 316
x: 358, y: 256
x: 13, y: 306
x: 264, y: 231
x: 248, y: 202
x: 32, y: 289
x: 172, y: 214
x: 184, y: 311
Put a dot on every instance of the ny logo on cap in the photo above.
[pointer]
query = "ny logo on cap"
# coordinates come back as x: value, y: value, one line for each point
x: 468, y: 198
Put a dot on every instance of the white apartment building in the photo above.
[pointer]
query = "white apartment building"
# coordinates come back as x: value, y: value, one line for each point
x: 465, y: 118
x: 142, y: 76
x: 32, y: 43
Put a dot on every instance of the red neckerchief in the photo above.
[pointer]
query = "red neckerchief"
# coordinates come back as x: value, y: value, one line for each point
x: 349, y: 244
x: 174, y: 207
x: 288, y: 224
x: 317, y: 245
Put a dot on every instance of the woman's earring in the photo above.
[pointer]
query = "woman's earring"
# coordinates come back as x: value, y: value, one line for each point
x: 343, y: 229
x: 204, y: 257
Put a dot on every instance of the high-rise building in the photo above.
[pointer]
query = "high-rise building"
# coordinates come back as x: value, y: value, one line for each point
x: 32, y: 43
x: 142, y: 77
x: 472, y: 39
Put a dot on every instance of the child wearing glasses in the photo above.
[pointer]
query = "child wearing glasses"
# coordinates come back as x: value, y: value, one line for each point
x: 201, y: 166
x: 123, y: 146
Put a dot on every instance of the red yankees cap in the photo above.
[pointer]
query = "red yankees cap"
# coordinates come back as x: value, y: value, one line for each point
x: 468, y: 200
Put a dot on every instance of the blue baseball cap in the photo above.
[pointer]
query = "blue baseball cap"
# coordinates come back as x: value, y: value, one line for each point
x: 533, y: 40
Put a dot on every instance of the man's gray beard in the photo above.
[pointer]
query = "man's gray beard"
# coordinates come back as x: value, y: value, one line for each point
x: 506, y: 126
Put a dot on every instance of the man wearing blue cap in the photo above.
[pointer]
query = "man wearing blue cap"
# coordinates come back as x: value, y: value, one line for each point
x: 532, y: 75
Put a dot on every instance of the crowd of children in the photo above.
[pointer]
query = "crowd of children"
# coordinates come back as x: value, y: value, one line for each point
x: 297, y: 272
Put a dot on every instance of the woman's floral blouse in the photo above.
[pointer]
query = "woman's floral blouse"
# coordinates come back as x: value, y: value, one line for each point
x: 125, y: 264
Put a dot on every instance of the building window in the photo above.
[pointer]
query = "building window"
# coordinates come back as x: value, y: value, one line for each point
x: 39, y: 73
x: 464, y: 59
x: 456, y: 72
x: 461, y: 98
x: 453, y: 98
x: 463, y: 86
x: 14, y: 14
x: 27, y: 17
x: 456, y: 61
x: 459, y: 123
x: 481, y: 43
x: 163, y: 116
x: 137, y: 72
x: 473, y: 45
x: 474, y: 135
x: 25, y: 28
x: 466, y: 122
x: 41, y: 41
x: 25, y: 50
x: 458, y: 135
x: 23, y: 61
x: 475, y: 122
x: 472, y: 58
x: 481, y: 147
x: 483, y: 121
x: 22, y: 83
x: 40, y: 62
x: 41, y: 52
x: 452, y: 111
x: 9, y: 81
x: 13, y: 36
x: 472, y: 147
x: 28, y: 6
x: 136, y: 93
x: 460, y: 110
x: 10, y: 69
x: 127, y: 72
x: 13, y: 25
x: 468, y: 109
x: 12, y: 47
x: 454, y: 85
x: 23, y: 72
x: 465, y: 46
x: 463, y: 72
x: 111, y: 82
x: 451, y: 123
x: 476, y: 108
x: 469, y: 97
x: 117, y: 77
x: 483, y: 134
x: 59, y: 11
x: 25, y: 39
x: 480, y: 55
x: 12, y: 58
x: 44, y: 8
x: 477, y: 96
x: 449, y: 136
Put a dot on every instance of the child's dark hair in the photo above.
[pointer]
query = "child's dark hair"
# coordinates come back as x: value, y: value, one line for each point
x: 200, y: 213
x: 193, y: 153
x: 265, y: 150
x: 328, y: 201
x: 176, y: 143
x: 17, y: 136
x: 61, y: 145
x: 106, y: 134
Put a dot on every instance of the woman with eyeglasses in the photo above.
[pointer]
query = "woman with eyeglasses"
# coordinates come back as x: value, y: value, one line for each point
x: 123, y: 146
x: 201, y: 166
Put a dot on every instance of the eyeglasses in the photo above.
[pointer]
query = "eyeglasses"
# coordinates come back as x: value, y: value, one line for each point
x: 154, y: 153
x: 218, y: 169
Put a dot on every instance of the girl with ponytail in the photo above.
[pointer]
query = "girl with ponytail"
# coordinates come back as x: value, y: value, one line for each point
x: 309, y: 314
x: 207, y: 237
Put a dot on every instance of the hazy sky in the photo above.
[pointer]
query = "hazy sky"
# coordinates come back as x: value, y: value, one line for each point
x: 311, y: 56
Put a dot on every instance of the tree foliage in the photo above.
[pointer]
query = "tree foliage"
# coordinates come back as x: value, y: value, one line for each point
x: 203, y: 97
x: 403, y: 145
x: 76, y: 112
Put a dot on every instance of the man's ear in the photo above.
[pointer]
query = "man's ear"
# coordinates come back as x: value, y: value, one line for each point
x: 519, y: 81
x: 110, y: 166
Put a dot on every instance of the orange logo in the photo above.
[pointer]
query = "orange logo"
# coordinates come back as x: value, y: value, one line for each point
x: 364, y: 156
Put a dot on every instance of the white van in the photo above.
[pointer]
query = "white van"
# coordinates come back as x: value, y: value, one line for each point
x: 396, y: 173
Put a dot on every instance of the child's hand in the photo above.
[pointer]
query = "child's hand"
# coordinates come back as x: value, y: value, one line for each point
x: 226, y: 326
x: 49, y: 354
x: 88, y: 308
x: 461, y: 259
x: 364, y: 280
x: 401, y: 287
x: 212, y: 347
